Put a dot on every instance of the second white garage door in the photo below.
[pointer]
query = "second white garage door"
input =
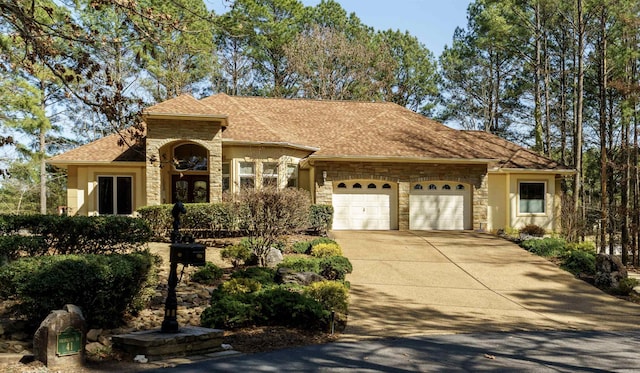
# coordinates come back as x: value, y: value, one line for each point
x: 365, y: 205
x: 439, y: 206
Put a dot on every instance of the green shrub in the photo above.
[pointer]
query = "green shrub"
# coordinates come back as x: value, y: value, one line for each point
x: 533, y: 230
x: 545, y: 247
x: 209, y: 274
x: 14, y: 246
x: 230, y: 311
x: 240, y: 286
x: 106, y: 287
x: 304, y: 247
x: 322, y: 250
x: 335, y: 267
x: 587, y: 246
x: 579, y: 262
x: 204, y: 220
x: 282, y: 307
x: 236, y: 254
x: 320, y: 218
x: 53, y: 234
x: 265, y: 276
x: 301, y: 264
x: 625, y: 286
x: 332, y: 295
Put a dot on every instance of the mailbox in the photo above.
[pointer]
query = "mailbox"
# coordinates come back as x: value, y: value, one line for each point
x: 187, y: 254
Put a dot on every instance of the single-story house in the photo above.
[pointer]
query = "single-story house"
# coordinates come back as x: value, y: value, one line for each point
x: 380, y: 165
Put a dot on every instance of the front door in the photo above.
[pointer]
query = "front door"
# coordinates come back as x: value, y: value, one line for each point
x: 190, y: 188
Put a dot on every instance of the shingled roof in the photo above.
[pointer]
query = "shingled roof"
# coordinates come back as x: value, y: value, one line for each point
x: 338, y: 129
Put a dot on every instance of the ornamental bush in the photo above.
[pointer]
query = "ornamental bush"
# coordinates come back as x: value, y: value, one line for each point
x: 579, y: 262
x: 264, y: 275
x: 322, y: 250
x: 301, y: 264
x: 545, y: 247
x: 335, y: 267
x: 533, y: 230
x: 332, y: 295
x: 304, y: 247
x: 320, y: 218
x: 106, y: 287
x: 32, y: 235
x: 236, y: 254
x: 209, y: 274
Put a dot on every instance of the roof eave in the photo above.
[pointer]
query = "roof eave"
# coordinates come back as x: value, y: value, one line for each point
x: 534, y: 170
x: 61, y: 163
x: 269, y: 143
x: 223, y: 119
x: 351, y: 158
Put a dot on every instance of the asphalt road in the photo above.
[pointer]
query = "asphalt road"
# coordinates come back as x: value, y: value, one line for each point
x: 483, y: 352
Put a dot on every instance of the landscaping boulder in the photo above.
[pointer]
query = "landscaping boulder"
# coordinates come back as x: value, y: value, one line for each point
x: 609, y: 271
x: 287, y: 276
x: 273, y: 258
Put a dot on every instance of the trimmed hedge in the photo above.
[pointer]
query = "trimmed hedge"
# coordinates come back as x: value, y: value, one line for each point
x: 106, y: 287
x: 34, y: 235
x: 211, y: 220
x: 330, y: 267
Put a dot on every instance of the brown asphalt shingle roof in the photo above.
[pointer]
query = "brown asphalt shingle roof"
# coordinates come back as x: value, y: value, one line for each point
x: 106, y: 149
x: 337, y: 129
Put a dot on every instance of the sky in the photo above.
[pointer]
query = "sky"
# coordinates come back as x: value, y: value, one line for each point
x: 431, y: 21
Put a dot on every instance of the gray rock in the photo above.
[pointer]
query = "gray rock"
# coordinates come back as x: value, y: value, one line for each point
x: 93, y: 334
x: 287, y: 276
x: 609, y: 271
x: 94, y: 347
x: 273, y: 258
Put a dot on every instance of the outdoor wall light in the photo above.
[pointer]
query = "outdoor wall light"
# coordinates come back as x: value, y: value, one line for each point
x: 324, y: 176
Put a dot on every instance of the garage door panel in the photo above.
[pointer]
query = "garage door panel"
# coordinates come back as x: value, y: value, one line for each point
x: 371, y: 208
x: 438, y: 209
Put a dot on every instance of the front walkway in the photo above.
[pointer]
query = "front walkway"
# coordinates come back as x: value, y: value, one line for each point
x: 425, y: 282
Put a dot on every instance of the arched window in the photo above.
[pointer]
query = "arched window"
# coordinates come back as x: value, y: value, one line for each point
x: 432, y: 187
x: 386, y: 186
x: 446, y: 187
x: 372, y: 186
x: 190, y: 157
x: 460, y: 187
x: 357, y: 186
x: 418, y: 187
x: 342, y: 185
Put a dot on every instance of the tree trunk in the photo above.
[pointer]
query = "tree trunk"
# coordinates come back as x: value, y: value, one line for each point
x: 577, y: 184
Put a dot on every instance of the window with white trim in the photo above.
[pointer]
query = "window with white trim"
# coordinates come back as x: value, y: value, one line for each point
x: 292, y: 175
x: 226, y: 177
x: 247, y: 175
x: 270, y: 174
x: 115, y: 195
x: 532, y: 197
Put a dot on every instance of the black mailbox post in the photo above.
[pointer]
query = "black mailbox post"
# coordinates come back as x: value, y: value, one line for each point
x: 184, y: 251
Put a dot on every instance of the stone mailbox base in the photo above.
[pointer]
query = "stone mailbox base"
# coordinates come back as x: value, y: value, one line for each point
x: 155, y: 345
x: 59, y: 341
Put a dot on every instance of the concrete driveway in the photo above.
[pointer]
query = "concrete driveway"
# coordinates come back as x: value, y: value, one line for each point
x: 407, y: 283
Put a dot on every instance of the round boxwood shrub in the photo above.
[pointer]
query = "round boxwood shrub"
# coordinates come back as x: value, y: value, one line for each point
x: 209, y: 274
x: 301, y: 264
x: 264, y: 275
x: 322, y: 250
x: 335, y: 267
x: 579, y: 262
x: 332, y: 295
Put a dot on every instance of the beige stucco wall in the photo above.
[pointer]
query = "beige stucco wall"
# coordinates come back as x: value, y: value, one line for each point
x: 503, y: 212
x: 404, y: 174
x: 82, y: 198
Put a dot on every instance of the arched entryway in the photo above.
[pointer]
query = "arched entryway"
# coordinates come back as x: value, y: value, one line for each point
x: 189, y: 173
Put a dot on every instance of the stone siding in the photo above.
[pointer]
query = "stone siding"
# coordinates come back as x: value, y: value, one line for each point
x: 165, y: 132
x: 404, y: 174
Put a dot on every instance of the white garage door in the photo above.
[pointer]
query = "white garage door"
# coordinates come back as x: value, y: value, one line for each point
x: 439, y: 206
x: 364, y: 205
